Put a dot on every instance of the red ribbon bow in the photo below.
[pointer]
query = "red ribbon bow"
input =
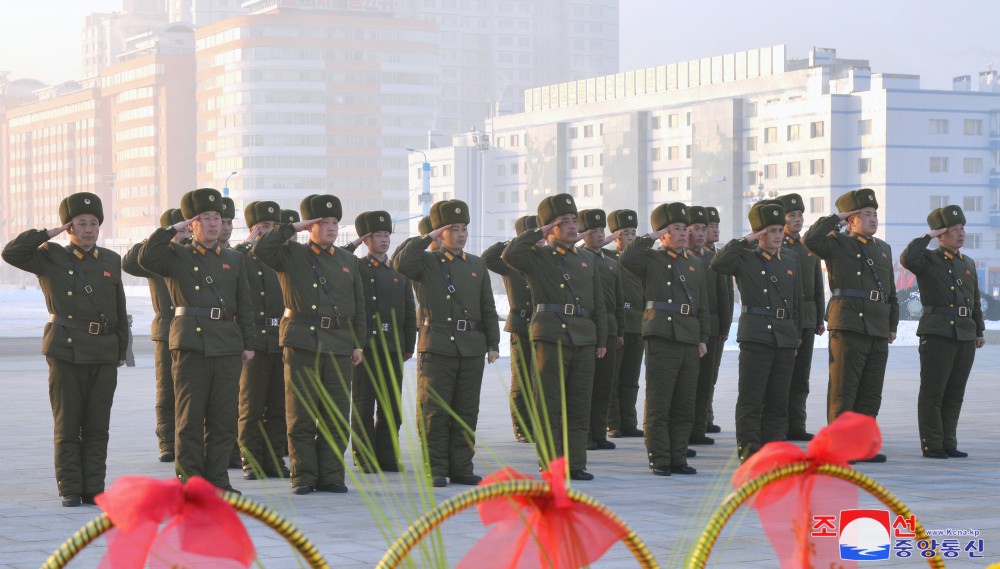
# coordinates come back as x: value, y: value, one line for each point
x: 787, y: 507
x: 202, y: 526
x: 550, y: 531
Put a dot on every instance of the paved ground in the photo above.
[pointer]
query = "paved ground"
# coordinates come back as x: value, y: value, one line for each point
x: 668, y: 513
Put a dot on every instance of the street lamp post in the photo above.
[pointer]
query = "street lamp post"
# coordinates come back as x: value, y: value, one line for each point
x: 425, y: 179
x: 225, y: 186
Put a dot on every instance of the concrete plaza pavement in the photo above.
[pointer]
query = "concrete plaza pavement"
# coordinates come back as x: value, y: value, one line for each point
x: 668, y: 513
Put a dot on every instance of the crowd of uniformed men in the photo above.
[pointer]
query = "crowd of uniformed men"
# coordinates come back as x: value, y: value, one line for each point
x: 277, y: 348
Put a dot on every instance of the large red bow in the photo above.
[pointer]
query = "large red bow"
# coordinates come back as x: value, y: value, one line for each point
x: 550, y: 531
x: 202, y: 525
x: 787, y: 507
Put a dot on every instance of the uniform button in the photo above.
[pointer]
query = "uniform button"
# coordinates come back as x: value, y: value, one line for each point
x: 765, y: 290
x: 768, y: 326
x: 563, y: 325
x: 196, y: 287
x: 763, y: 272
x: 259, y: 273
x: 670, y: 300
x: 196, y: 269
x: 261, y: 313
x: 561, y: 285
x: 669, y: 267
x: 861, y: 314
x: 668, y: 283
x: 197, y: 329
x: 373, y: 280
x: 447, y: 296
x: 312, y: 328
x: 859, y: 255
x: 859, y: 273
x: 452, y: 338
x: 262, y: 293
x: 952, y: 288
x: 373, y: 298
x: 374, y: 332
x: 71, y: 272
x: 69, y: 340
x: 314, y: 307
x: 449, y: 319
x: 670, y: 318
x: 171, y: 307
x: 69, y: 293
x: 263, y: 331
x: 315, y: 285
x: 952, y: 322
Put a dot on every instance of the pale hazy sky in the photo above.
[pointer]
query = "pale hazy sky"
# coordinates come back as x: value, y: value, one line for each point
x: 934, y: 39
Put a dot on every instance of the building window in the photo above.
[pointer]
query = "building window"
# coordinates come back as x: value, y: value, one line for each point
x: 939, y: 126
x: 972, y: 165
x: 502, y: 169
x: 752, y: 178
x: 654, y: 184
x: 573, y: 132
x: 687, y: 151
x: 864, y: 127
x: 864, y: 165
x: 687, y: 183
x: 997, y: 240
x: 751, y: 109
x: 973, y: 127
x: 654, y: 153
x: 939, y: 164
x: 972, y: 203
x: 770, y: 171
x: 751, y: 143
x: 672, y: 120
x: 793, y: 132
x: 687, y: 118
x: 938, y: 202
x: 501, y: 142
x: 588, y: 190
x: 673, y: 184
x: 973, y: 240
x: 817, y: 167
x: 588, y: 161
x: 815, y: 205
x: 515, y: 140
x: 673, y: 152
x: 500, y: 225
x: 572, y: 191
x: 817, y: 129
x: 500, y: 197
x: 434, y: 171
x: 513, y: 169
x: 572, y: 162
x: 793, y: 169
x: 446, y: 170
x: 514, y: 197
x: 588, y: 131
x: 770, y: 134
x: 655, y: 122
x: 600, y: 159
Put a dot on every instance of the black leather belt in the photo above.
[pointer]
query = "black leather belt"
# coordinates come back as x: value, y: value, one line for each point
x: 460, y: 325
x: 268, y: 322
x: 872, y: 295
x: 523, y: 313
x: 92, y: 328
x: 960, y: 311
x: 324, y: 322
x: 567, y: 309
x: 685, y: 309
x: 779, y: 313
x: 199, y: 312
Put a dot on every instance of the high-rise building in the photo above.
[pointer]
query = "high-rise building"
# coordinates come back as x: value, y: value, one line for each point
x: 202, y: 12
x: 105, y: 34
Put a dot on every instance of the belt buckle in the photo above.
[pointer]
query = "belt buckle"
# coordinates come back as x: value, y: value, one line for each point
x: 461, y: 325
x: 325, y: 322
x: 685, y: 309
x: 628, y: 306
x: 524, y: 313
x: 874, y: 296
x: 215, y: 314
x: 963, y: 311
x: 89, y: 289
x: 779, y: 313
x: 569, y: 309
x: 273, y: 322
x: 451, y: 289
x: 94, y: 328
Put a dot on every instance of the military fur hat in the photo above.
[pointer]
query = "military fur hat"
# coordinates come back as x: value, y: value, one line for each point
x: 765, y: 214
x: 449, y: 212
x: 622, y: 219
x: 713, y: 214
x: 697, y: 214
x: 290, y: 216
x: 792, y: 202
x: 946, y: 217
x: 525, y: 222
x: 668, y: 213
x: 424, y: 227
x: 170, y: 216
x: 228, y: 208
x: 554, y: 206
x: 256, y: 212
x: 79, y: 204
x: 318, y: 206
x: 857, y: 199
x: 592, y: 219
x: 372, y: 221
x: 200, y: 201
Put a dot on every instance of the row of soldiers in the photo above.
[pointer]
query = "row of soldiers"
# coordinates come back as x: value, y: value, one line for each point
x: 266, y: 342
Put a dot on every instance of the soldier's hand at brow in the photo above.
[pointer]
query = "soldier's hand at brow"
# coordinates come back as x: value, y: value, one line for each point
x: 657, y: 234
x: 356, y: 357
x: 753, y: 235
x: 846, y: 214
x: 702, y: 349
x: 437, y: 233
x: 610, y: 238
x: 935, y: 232
x: 57, y: 230
x: 253, y: 234
x: 181, y: 225
x: 492, y: 356
x: 247, y: 355
x: 305, y: 224
x: 547, y: 229
x: 601, y: 352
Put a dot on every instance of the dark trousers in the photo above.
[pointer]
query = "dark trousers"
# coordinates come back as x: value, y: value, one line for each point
x: 671, y: 384
x: 625, y: 387
x: 604, y: 376
x: 717, y: 356
x: 446, y: 385
x: 571, y: 369
x: 522, y: 362
x: 263, y: 430
x: 857, y: 372
x: 798, y: 390
x: 317, y: 408
x: 207, y: 393
x: 708, y: 370
x: 164, y: 395
x: 762, y: 403
x: 375, y: 408
x: 944, y: 371
x: 81, y: 397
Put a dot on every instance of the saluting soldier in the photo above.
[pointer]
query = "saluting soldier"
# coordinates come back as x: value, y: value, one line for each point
x: 622, y: 418
x: 950, y: 329
x: 291, y: 216
x: 263, y: 431
x: 519, y: 297
x: 211, y: 334
x: 863, y: 313
x: 769, y: 330
x: 592, y: 223
x: 392, y: 333
x: 84, y: 342
x: 568, y: 327
x: 459, y: 327
x: 228, y: 212
x: 712, y: 236
x: 163, y: 313
x: 811, y: 319
x: 322, y: 333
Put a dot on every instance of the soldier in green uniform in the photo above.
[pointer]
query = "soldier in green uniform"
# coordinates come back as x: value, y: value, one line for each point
x: 592, y: 223
x: 459, y: 326
x: 568, y: 327
x: 622, y: 420
x: 291, y: 216
x: 262, y: 427
x: 811, y: 319
x: 518, y: 319
x: 676, y: 327
x: 950, y: 329
x: 228, y: 211
x: 211, y: 334
x: 322, y: 333
x: 725, y: 311
x: 392, y: 333
x: 84, y: 342
x: 769, y: 331
x: 163, y: 310
x: 863, y: 313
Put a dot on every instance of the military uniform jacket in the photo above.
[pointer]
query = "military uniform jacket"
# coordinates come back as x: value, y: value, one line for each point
x: 187, y: 270
x: 631, y: 296
x: 766, y: 281
x: 811, y: 274
x: 266, y: 296
x: 945, y: 279
x: 57, y: 270
x: 518, y: 291
x: 720, y: 300
x: 548, y: 286
x: 163, y: 307
x: 847, y: 267
x: 389, y: 305
x: 664, y: 275
x: 614, y: 299
x: 471, y: 301
x: 304, y: 295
